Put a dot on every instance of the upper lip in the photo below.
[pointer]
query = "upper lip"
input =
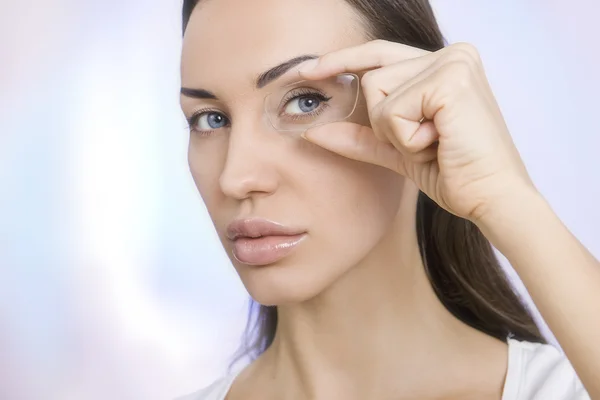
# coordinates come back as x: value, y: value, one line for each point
x: 258, y: 227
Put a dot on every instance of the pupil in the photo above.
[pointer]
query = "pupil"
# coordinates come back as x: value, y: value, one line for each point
x: 307, y: 104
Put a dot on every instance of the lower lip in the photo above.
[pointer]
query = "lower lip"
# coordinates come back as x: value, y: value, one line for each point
x: 265, y: 250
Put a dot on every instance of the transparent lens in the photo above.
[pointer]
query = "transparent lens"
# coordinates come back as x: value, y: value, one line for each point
x: 305, y: 104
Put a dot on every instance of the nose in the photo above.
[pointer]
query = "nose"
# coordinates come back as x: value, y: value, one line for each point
x: 249, y: 166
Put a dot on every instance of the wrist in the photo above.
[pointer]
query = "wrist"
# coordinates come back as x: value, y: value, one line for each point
x: 520, y: 208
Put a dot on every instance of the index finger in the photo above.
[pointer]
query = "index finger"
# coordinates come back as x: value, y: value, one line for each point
x: 363, y: 57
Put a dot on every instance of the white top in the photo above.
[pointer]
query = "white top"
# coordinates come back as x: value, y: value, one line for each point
x: 535, y: 372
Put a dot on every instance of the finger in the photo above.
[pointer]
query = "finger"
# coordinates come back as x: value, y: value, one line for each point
x: 390, y: 119
x: 460, y: 57
x: 404, y: 110
x: 399, y: 117
x: 420, y: 146
x: 365, y: 108
x: 370, y: 55
x: 450, y: 88
x: 382, y: 106
x: 424, y: 156
x: 380, y: 83
x: 356, y: 142
x: 425, y: 137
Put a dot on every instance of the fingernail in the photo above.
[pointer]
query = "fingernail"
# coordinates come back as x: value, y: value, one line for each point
x: 308, y: 66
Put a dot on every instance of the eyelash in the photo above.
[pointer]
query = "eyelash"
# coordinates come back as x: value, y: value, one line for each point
x: 305, y: 92
x: 301, y: 92
x: 193, y: 120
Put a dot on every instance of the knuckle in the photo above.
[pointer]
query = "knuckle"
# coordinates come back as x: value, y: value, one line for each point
x: 379, y: 51
x: 397, y: 127
x: 468, y: 51
x: 459, y: 73
x: 379, y: 43
x: 463, y: 53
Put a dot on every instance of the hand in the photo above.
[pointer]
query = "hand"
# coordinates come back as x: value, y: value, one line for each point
x: 433, y: 119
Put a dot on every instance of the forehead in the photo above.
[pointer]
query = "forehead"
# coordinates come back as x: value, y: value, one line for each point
x: 229, y: 42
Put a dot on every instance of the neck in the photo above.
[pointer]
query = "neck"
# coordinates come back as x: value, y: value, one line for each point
x: 377, y: 329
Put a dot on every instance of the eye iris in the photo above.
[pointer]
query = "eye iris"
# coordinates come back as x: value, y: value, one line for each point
x: 308, y: 104
x: 215, y: 120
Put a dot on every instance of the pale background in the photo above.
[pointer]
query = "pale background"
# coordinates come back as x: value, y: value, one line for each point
x: 112, y: 282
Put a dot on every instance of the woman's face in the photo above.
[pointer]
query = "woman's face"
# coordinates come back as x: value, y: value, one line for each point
x: 245, y: 169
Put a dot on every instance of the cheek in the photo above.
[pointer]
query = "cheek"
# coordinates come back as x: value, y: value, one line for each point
x: 349, y: 207
x: 205, y: 164
x: 355, y: 199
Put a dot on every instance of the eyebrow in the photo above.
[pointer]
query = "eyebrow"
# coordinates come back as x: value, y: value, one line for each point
x: 261, y: 81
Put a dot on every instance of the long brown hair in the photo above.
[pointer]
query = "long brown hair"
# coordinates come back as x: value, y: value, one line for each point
x: 460, y: 262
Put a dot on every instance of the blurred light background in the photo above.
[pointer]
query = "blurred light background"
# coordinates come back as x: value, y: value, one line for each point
x: 113, y: 284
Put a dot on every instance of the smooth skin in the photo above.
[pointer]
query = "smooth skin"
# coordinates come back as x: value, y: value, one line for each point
x: 474, y: 172
x: 357, y: 316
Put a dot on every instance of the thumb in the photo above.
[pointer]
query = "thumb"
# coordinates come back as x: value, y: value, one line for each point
x: 357, y: 142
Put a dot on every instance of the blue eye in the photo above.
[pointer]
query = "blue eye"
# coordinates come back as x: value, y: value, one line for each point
x: 302, y: 104
x: 205, y: 121
x: 211, y: 120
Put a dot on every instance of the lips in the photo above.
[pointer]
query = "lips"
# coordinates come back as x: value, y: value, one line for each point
x: 257, y: 241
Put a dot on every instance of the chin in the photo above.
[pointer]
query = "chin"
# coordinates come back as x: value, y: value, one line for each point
x: 271, y: 287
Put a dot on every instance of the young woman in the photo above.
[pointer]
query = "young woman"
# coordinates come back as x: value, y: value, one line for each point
x: 357, y: 171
